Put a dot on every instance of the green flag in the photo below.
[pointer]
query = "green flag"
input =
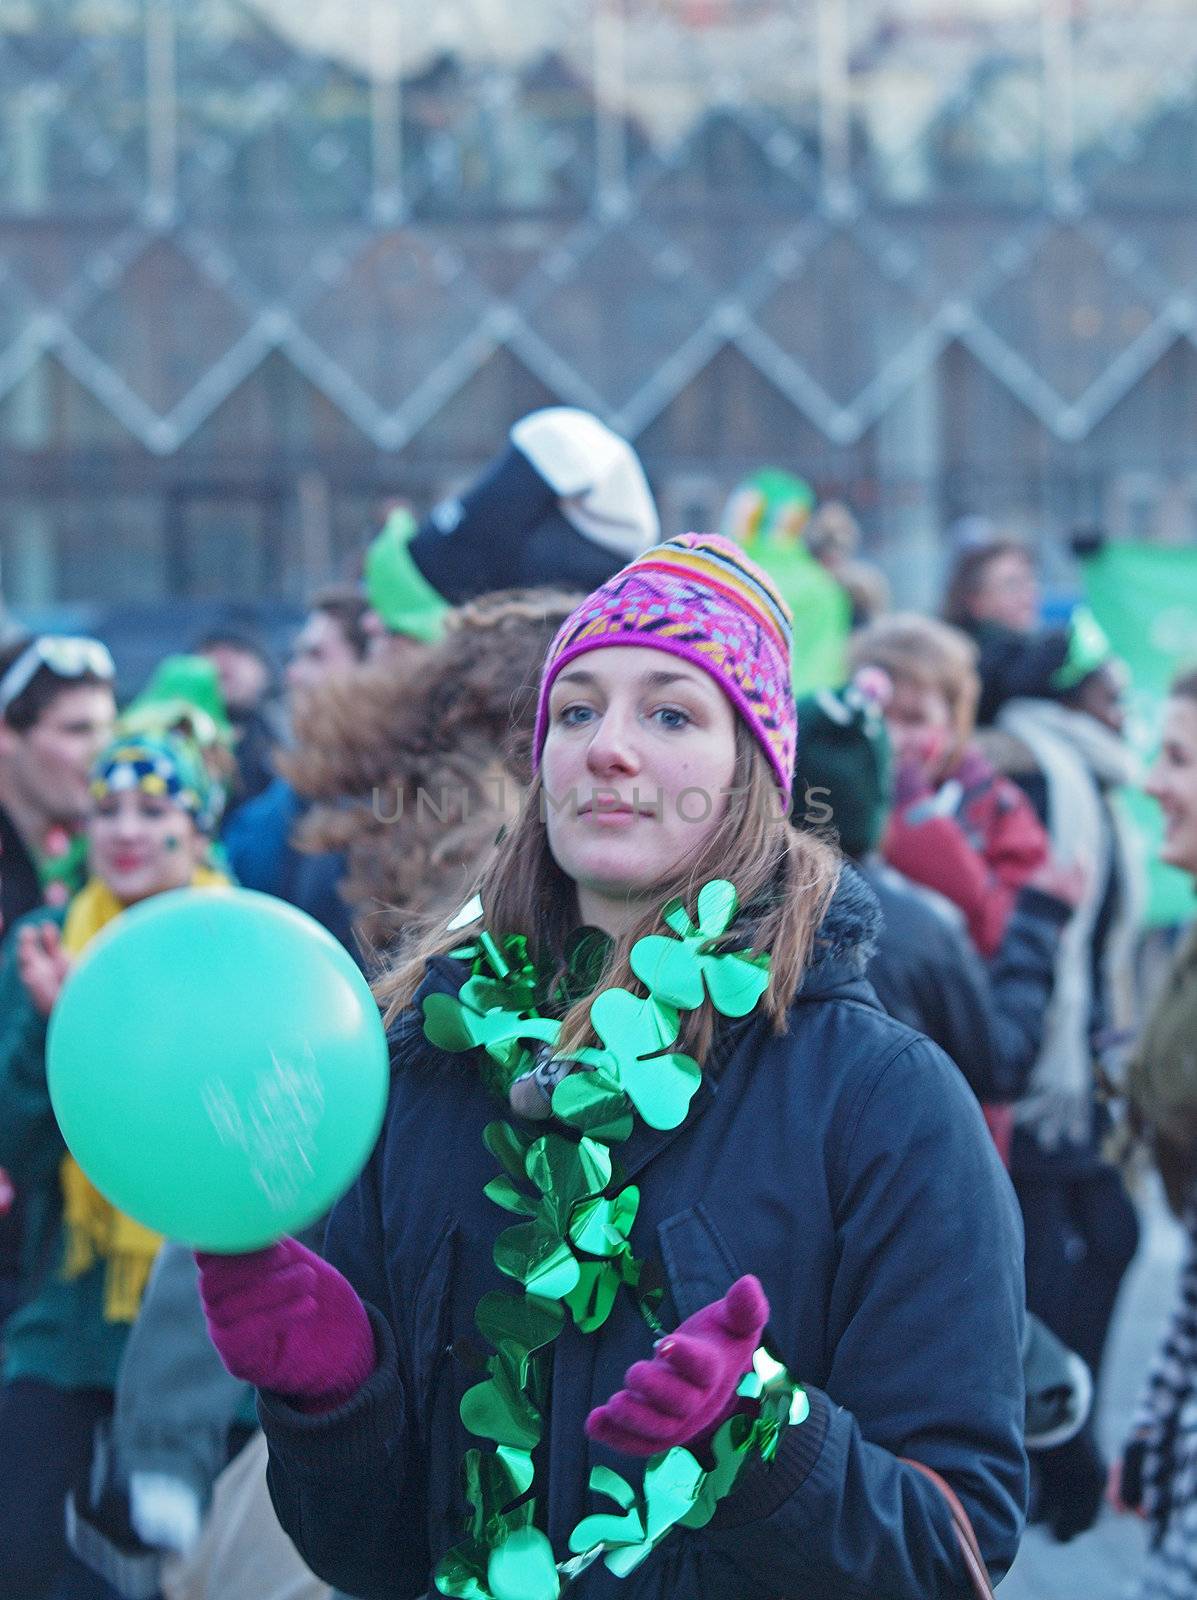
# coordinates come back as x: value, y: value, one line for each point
x: 1145, y: 597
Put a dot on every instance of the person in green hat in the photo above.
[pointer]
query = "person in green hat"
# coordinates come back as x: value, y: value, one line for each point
x: 987, y: 1016
x: 404, y: 610
x: 768, y: 514
x: 183, y: 695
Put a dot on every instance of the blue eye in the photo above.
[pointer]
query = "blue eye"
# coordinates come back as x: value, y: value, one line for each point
x: 574, y: 716
x: 672, y: 718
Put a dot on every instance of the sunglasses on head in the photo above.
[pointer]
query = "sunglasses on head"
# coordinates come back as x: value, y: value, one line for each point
x: 65, y: 655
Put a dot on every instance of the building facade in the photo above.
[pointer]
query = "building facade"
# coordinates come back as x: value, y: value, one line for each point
x: 261, y: 276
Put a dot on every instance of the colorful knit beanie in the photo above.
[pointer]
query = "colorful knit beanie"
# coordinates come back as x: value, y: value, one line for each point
x: 166, y: 766
x: 699, y: 597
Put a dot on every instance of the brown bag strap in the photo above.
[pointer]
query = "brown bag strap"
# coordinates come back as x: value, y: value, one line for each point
x: 965, y: 1537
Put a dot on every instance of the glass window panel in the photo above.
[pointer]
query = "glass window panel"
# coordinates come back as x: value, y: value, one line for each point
x: 86, y: 546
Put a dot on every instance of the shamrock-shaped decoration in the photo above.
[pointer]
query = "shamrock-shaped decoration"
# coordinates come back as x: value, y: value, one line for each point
x: 538, y: 1253
x: 672, y: 1482
x: 603, y: 1527
x: 781, y: 1402
x: 516, y: 1325
x: 493, y: 1481
x: 501, y: 1407
x: 522, y: 1568
x: 636, y: 1035
x: 477, y: 1018
x: 729, y: 1452
x: 592, y: 1101
x: 680, y: 972
x: 600, y: 1227
x: 592, y: 1298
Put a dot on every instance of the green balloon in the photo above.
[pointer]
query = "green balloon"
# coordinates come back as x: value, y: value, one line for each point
x: 218, y: 1067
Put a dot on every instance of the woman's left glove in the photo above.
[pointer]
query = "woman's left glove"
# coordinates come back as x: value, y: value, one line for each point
x: 688, y: 1389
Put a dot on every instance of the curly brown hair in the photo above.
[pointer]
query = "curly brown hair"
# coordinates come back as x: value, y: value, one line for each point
x: 416, y: 769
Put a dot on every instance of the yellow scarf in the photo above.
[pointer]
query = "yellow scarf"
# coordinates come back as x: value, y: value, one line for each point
x: 95, y: 1229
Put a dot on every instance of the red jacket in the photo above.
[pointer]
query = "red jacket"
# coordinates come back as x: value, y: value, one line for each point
x: 977, y: 841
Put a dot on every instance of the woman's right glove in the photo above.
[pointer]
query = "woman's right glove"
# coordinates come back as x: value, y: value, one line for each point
x: 283, y: 1319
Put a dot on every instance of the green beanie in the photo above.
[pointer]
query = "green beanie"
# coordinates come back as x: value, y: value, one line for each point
x: 1086, y: 651
x: 183, y: 694
x: 843, y: 772
x: 395, y: 586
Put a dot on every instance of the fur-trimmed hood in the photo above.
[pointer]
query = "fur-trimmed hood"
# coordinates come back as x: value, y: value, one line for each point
x: 847, y: 938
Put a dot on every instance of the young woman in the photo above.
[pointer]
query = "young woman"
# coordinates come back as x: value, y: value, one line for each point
x: 801, y: 1176
x: 957, y: 826
x: 1158, y: 1472
x: 153, y: 809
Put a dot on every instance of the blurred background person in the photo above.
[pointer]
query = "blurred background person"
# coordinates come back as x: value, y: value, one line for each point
x: 986, y: 1015
x: 993, y: 596
x: 1061, y: 742
x: 833, y: 538
x: 957, y: 825
x: 249, y: 690
x: 151, y: 813
x: 258, y: 838
x: 413, y: 772
x: 1157, y: 1473
x: 769, y: 514
x: 56, y: 712
x: 332, y: 640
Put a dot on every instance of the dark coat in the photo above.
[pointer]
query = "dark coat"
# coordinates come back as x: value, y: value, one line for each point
x: 257, y: 841
x: 988, y: 1016
x: 847, y: 1165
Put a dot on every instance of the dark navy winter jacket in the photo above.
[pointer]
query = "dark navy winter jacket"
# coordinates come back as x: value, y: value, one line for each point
x: 847, y: 1165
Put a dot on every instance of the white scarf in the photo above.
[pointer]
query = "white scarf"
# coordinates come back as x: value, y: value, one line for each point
x: 1080, y: 758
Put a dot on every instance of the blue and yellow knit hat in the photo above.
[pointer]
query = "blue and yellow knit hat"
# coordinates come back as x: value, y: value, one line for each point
x: 166, y: 766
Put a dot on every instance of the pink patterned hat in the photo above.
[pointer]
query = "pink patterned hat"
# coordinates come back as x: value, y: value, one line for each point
x: 699, y: 597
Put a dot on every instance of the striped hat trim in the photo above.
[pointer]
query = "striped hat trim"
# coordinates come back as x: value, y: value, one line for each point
x: 701, y: 559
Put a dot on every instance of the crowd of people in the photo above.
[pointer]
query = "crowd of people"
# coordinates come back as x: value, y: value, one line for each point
x: 768, y: 956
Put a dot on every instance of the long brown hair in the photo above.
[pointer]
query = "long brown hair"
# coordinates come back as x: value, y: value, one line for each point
x: 784, y: 877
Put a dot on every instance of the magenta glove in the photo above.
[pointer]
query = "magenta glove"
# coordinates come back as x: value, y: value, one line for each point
x: 283, y: 1319
x: 689, y: 1387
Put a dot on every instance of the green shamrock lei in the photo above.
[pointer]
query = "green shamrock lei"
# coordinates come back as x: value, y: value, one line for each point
x: 571, y: 1251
